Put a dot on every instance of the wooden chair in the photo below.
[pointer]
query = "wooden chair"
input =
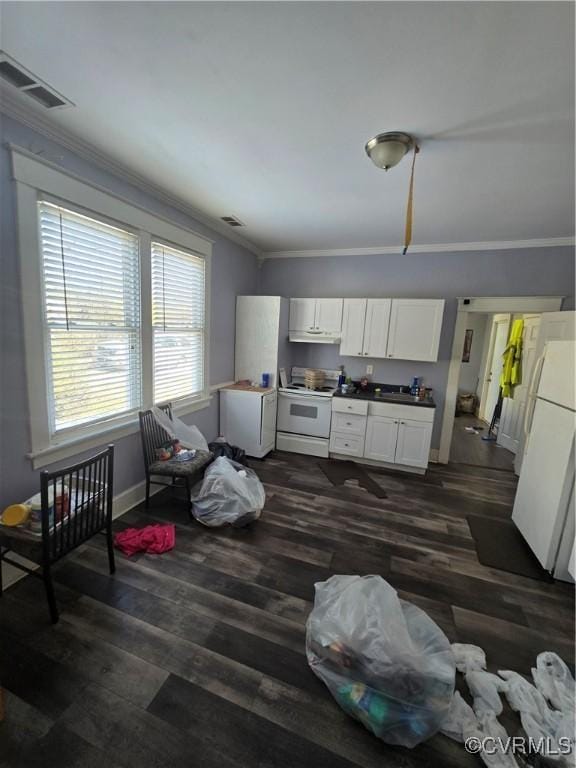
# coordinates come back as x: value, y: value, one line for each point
x: 84, y: 492
x: 183, y: 474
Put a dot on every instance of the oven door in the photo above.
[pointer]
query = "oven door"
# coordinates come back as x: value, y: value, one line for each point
x: 304, y: 414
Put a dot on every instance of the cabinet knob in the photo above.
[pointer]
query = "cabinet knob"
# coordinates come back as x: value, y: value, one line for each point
x: 402, y: 422
x: 346, y: 445
x: 390, y: 355
x: 395, y: 422
x: 348, y: 423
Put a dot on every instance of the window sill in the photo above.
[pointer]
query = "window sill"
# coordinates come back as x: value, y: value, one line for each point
x: 76, y: 445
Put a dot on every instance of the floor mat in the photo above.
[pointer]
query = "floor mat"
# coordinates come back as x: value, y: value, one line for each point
x: 340, y: 471
x: 499, y: 544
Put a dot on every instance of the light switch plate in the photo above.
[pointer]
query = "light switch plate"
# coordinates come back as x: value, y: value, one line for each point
x: 369, y: 370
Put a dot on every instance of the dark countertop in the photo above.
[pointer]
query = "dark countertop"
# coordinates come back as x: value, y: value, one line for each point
x: 390, y: 393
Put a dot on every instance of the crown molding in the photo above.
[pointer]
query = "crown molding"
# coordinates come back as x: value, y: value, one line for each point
x: 396, y: 250
x: 29, y: 117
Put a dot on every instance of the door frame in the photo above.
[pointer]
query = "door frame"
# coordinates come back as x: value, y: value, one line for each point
x: 489, y: 362
x: 486, y: 305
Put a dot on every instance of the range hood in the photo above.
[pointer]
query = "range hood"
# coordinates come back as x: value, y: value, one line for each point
x: 314, y: 337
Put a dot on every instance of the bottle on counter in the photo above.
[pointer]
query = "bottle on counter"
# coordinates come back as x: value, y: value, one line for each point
x: 341, y: 377
x: 414, y: 388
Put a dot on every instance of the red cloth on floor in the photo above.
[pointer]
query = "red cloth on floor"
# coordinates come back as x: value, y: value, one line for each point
x: 153, y: 539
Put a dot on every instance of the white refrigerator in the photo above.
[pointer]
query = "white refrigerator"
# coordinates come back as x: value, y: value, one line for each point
x: 544, y: 503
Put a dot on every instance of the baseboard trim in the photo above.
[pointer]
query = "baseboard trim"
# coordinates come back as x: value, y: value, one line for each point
x: 132, y: 496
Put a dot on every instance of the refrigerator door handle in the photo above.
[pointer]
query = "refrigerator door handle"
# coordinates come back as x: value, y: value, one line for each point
x: 532, y: 393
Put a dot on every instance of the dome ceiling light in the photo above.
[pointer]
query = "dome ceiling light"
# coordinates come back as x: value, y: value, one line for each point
x: 386, y: 150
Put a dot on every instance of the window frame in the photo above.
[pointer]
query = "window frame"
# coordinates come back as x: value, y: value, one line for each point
x: 37, y: 179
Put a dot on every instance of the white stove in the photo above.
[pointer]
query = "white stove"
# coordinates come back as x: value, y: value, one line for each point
x: 304, y: 415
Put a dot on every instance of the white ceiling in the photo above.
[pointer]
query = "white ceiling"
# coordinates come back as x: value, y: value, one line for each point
x: 261, y: 110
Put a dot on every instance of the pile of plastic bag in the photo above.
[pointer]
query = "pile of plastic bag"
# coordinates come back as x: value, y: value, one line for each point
x: 384, y: 660
x: 228, y: 494
x: 188, y: 435
x: 546, y: 709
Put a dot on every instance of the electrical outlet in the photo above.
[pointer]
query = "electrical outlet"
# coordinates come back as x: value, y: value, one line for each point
x: 369, y: 370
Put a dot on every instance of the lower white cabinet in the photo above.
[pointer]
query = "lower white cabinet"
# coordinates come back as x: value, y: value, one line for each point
x: 413, y: 445
x: 389, y: 433
x: 381, y: 439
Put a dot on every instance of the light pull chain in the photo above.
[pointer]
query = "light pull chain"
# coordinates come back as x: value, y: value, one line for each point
x: 408, y: 231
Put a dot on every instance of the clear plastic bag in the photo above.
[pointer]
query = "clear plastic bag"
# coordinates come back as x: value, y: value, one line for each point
x: 229, y: 493
x: 188, y: 434
x: 384, y: 660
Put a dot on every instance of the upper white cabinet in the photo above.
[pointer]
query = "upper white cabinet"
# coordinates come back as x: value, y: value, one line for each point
x: 302, y: 315
x: 316, y: 316
x: 376, y: 327
x: 329, y: 315
x: 415, y: 326
x: 365, y: 327
x: 353, y: 322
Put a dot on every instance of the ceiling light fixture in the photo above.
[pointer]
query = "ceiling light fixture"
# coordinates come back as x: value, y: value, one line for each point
x: 386, y: 150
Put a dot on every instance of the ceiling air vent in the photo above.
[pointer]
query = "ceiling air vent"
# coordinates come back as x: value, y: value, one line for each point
x: 232, y: 221
x: 21, y: 78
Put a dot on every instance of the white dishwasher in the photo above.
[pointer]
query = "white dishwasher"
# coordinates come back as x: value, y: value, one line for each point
x: 248, y: 418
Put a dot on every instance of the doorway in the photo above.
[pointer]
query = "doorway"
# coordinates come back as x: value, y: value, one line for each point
x: 489, y: 306
x: 500, y: 451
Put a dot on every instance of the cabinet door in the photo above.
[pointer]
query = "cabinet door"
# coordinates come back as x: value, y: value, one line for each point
x: 354, y: 316
x: 302, y: 314
x: 413, y: 446
x: 381, y: 437
x: 415, y: 326
x: 376, y: 327
x: 329, y: 315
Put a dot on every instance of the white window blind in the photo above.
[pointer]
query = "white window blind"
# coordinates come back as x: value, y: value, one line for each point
x: 92, y: 318
x: 178, y: 320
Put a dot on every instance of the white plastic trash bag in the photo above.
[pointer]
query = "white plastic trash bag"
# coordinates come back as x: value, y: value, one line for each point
x: 188, y: 435
x: 383, y: 659
x: 229, y: 493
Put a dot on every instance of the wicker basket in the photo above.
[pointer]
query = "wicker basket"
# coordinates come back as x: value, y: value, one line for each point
x: 313, y: 378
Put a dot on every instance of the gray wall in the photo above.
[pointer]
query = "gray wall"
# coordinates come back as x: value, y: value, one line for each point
x: 234, y: 271
x: 470, y: 371
x: 538, y: 271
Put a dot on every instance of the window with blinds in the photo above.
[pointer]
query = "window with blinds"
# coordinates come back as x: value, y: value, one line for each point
x: 92, y: 318
x: 178, y: 320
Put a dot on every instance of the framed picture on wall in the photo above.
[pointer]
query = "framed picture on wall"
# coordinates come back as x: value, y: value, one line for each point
x: 467, y: 345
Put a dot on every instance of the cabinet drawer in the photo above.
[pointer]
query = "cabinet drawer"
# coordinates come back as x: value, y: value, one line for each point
x: 343, y: 405
x: 351, y: 445
x: 350, y: 423
x: 393, y: 411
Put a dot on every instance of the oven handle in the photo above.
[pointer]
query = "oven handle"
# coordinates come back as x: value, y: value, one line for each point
x: 315, y: 398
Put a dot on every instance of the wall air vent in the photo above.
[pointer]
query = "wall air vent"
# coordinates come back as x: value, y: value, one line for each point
x: 232, y: 221
x: 27, y: 83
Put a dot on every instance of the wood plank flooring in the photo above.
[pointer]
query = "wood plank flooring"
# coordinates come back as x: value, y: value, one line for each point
x: 196, y: 657
x: 468, y: 448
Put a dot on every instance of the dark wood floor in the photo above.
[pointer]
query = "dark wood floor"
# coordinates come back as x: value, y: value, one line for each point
x: 196, y: 657
x: 468, y: 448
